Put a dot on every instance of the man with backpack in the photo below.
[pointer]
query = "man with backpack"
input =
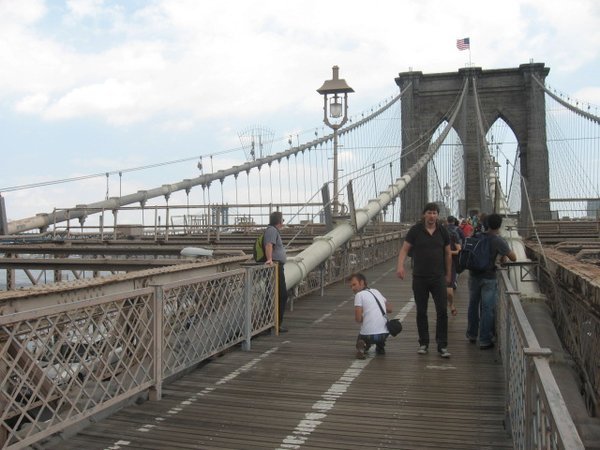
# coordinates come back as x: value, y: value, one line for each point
x: 275, y: 252
x: 483, y: 284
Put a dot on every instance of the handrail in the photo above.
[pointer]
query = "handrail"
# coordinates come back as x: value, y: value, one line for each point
x: 536, y: 411
x: 80, y: 358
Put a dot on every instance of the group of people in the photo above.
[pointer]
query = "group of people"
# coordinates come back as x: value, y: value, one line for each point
x: 434, y: 247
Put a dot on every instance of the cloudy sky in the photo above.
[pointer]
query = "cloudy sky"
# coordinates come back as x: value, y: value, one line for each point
x: 94, y: 86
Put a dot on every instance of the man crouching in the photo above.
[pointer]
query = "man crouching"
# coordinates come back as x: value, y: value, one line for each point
x: 369, y: 314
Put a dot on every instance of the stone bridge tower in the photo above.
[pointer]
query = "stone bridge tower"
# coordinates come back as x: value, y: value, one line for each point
x: 510, y: 94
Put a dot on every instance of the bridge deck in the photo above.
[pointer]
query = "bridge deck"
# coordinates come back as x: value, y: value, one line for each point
x: 305, y: 389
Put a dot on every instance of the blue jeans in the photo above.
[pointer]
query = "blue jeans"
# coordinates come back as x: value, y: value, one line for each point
x: 483, y: 295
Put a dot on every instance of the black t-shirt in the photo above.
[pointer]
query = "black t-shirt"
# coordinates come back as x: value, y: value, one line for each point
x: 428, y: 250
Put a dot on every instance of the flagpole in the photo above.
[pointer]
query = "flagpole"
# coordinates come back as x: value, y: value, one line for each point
x: 470, y: 65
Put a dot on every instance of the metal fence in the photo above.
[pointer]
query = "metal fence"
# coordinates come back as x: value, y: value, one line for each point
x: 536, y: 412
x: 357, y: 255
x: 62, y: 364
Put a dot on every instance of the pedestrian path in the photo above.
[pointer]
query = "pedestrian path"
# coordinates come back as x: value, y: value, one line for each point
x: 305, y: 390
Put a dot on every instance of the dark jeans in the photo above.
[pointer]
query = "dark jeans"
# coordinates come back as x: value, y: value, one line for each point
x: 378, y: 340
x: 422, y: 287
x: 282, y: 293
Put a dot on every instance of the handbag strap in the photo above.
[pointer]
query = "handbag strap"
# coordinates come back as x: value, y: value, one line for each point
x: 378, y: 304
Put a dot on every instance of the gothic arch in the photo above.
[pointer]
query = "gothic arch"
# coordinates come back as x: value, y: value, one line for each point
x: 508, y: 93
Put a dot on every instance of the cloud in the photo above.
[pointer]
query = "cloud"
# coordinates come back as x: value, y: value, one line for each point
x: 199, y: 59
x: 80, y: 9
x: 117, y: 101
x: 22, y: 12
x: 32, y: 104
x: 139, y: 76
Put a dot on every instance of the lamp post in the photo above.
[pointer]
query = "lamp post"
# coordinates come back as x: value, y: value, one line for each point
x: 335, y: 106
x: 447, y: 192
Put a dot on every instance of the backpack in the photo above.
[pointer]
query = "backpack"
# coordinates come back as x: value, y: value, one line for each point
x: 475, y: 254
x: 258, y: 252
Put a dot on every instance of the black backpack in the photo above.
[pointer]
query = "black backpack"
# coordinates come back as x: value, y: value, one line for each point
x: 476, y: 254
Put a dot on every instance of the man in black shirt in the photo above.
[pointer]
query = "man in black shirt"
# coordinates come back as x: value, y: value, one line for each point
x: 429, y: 245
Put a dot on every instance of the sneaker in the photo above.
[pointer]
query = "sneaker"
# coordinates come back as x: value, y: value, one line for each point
x: 422, y: 350
x: 471, y: 339
x: 360, y: 349
x: 444, y: 353
x: 486, y: 346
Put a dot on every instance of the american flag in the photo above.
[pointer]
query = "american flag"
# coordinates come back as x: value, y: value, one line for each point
x: 463, y: 44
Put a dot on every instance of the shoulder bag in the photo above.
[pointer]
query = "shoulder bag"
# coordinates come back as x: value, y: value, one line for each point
x: 394, y: 326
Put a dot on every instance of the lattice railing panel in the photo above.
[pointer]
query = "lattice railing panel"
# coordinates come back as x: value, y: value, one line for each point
x: 262, y: 298
x: 516, y: 395
x: 347, y: 261
x: 58, y: 363
x: 204, y: 317
x: 535, y: 420
x: 61, y: 364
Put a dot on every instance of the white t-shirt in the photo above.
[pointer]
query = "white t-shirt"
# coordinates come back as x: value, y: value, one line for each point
x: 373, y: 321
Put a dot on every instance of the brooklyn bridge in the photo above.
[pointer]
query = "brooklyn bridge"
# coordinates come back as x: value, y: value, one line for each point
x: 141, y: 320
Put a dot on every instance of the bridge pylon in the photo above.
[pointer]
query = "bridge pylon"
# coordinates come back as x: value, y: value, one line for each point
x: 508, y: 94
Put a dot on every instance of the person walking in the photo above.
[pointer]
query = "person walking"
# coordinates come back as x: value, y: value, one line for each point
x: 275, y: 252
x: 483, y: 287
x: 373, y: 330
x: 429, y: 244
x: 455, y: 247
x: 466, y: 227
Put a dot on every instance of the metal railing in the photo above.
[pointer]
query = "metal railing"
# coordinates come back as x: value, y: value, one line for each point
x: 536, y: 411
x: 62, y: 364
x: 359, y: 254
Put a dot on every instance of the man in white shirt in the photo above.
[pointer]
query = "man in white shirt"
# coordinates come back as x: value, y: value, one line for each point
x: 373, y: 330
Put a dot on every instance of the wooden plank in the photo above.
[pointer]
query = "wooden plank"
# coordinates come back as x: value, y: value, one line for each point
x: 260, y: 398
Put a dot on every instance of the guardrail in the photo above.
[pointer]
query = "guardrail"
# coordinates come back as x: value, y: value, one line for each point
x: 358, y: 255
x: 62, y: 364
x: 536, y: 412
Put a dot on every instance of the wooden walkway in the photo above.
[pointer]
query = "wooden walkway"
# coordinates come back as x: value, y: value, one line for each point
x: 305, y: 390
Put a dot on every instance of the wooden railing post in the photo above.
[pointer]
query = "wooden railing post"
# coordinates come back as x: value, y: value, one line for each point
x: 246, y: 344
x: 157, y: 344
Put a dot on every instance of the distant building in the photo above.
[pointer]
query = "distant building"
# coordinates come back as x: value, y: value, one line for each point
x: 593, y: 208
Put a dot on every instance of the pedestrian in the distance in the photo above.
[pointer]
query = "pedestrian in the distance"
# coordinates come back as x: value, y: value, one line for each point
x: 275, y: 252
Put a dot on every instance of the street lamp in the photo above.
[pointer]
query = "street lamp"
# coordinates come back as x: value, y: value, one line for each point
x: 447, y: 192
x: 335, y: 107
